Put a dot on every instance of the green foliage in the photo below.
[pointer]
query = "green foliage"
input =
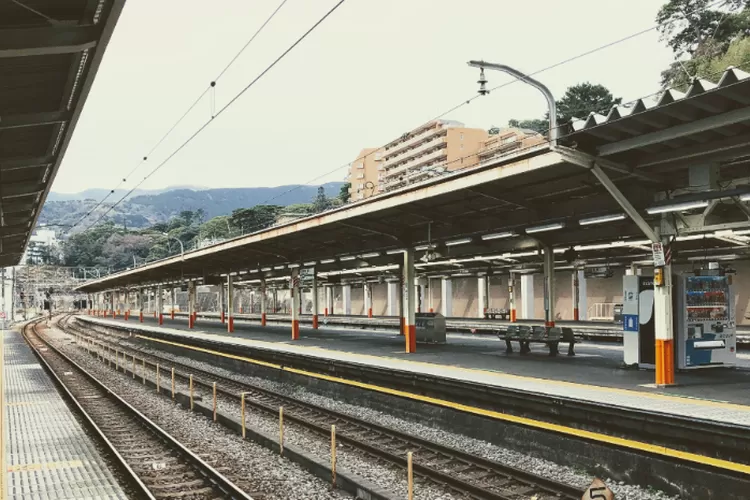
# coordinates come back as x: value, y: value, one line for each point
x: 577, y: 102
x: 249, y: 220
x: 344, y: 192
x: 690, y: 27
x: 679, y: 74
x: 321, y: 203
x: 538, y: 125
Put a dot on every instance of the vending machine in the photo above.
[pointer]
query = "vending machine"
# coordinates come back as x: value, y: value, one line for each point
x: 705, y: 328
x: 638, y: 330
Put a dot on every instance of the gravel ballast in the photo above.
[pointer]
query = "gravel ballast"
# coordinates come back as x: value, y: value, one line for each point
x: 555, y: 471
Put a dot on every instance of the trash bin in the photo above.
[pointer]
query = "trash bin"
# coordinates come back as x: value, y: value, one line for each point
x: 430, y: 327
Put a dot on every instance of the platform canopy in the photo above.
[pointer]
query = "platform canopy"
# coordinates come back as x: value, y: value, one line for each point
x: 503, y: 211
x: 50, y: 51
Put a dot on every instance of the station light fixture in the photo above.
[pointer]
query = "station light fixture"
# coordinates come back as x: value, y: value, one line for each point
x: 328, y: 261
x: 278, y: 267
x: 546, y: 227
x: 601, y: 219
x: 293, y: 266
x: 497, y: 236
x: 745, y: 197
x: 311, y: 263
x: 265, y: 269
x: 676, y: 207
x: 462, y: 241
x: 395, y: 251
x: 370, y: 255
x: 420, y: 248
x: 346, y: 258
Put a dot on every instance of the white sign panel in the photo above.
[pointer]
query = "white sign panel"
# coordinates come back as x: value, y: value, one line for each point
x: 658, y: 251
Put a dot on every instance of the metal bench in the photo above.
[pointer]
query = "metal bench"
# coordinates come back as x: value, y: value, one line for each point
x: 524, y: 335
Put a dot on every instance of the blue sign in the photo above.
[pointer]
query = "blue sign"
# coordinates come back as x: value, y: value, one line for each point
x: 630, y: 322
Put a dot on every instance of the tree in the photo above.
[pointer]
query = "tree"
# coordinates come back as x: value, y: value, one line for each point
x: 737, y: 54
x: 537, y: 125
x: 691, y: 27
x: 216, y: 229
x: 248, y: 220
x: 321, y: 203
x: 577, y: 102
x: 344, y: 192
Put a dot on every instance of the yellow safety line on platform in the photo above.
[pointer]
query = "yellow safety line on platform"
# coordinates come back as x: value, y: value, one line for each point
x: 66, y: 464
x: 545, y: 381
x: 538, y: 424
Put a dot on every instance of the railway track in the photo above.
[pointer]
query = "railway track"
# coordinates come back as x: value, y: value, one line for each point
x: 158, y: 465
x: 464, y: 473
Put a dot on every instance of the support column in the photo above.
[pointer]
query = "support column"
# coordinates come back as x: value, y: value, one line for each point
x: 141, y: 303
x: 419, y: 291
x: 160, y: 304
x: 663, y: 323
x: 89, y: 304
x: 482, y: 295
x: 329, y: 299
x: 446, y: 297
x: 295, y: 305
x: 527, y: 296
x: 222, y: 308
x: 368, y: 299
x: 549, y: 287
x: 174, y: 301
x: 392, y: 298
x: 580, y: 306
x: 191, y: 304
x: 429, y: 296
x: 230, y: 302
x: 410, y: 328
x: 512, y: 297
x: 346, y: 297
x: 263, y: 301
x: 315, y: 299
x: 127, y: 304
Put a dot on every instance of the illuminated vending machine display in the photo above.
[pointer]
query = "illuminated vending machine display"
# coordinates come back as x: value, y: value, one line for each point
x: 705, y: 323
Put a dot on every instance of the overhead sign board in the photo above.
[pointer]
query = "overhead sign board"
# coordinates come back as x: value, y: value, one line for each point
x: 658, y: 251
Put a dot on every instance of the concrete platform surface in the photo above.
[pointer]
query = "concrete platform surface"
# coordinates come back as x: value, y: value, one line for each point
x: 594, y: 374
x: 48, y: 454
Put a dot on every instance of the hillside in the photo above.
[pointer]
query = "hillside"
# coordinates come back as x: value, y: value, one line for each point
x: 147, y: 209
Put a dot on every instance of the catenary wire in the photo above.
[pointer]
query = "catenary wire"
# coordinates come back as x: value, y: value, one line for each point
x: 182, y: 117
x: 450, y: 110
x: 224, y: 108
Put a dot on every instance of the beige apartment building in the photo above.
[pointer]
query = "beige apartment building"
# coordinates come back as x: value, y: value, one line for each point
x: 428, y: 151
x: 365, y: 174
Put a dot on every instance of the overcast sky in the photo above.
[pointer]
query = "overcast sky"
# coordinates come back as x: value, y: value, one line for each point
x: 374, y: 70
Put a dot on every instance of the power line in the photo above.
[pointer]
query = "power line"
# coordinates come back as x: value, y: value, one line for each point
x: 469, y: 100
x: 209, y: 88
x: 226, y: 106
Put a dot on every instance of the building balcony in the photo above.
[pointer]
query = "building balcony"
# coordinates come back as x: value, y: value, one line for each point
x: 425, y: 135
x: 440, y: 154
x: 498, y: 148
x: 408, y: 155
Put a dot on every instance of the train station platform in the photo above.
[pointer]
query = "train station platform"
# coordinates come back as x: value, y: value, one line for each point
x: 594, y: 374
x: 47, y: 453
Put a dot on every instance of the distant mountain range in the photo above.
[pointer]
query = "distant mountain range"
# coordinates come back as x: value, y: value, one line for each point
x: 150, y: 207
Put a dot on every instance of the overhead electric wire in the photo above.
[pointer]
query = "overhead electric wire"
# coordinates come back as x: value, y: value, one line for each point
x: 450, y: 110
x: 224, y: 108
x: 510, y: 82
x: 179, y: 120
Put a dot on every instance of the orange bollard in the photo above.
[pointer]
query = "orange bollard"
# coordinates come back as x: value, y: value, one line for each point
x: 315, y: 322
x: 222, y: 317
x: 161, y: 319
x: 263, y: 319
x: 230, y: 324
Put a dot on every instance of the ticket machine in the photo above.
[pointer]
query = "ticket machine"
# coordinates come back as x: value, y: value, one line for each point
x: 638, y: 331
x: 705, y: 328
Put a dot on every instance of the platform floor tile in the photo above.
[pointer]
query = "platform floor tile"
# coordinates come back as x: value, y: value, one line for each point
x: 48, y: 454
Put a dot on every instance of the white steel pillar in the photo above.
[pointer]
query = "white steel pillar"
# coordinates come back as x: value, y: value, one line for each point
x: 512, y: 297
x: 446, y: 297
x: 408, y: 291
x: 295, y: 305
x: 393, y: 298
x: 346, y: 297
x: 549, y: 287
x: 482, y: 296
x: 230, y: 302
x: 315, y: 306
x: 527, y: 296
x: 222, y: 308
x: 430, y: 307
x: 419, y: 290
x: 328, y: 299
x: 368, y: 299
x: 263, y: 301
x: 160, y: 304
x: 580, y: 305
x: 663, y: 323
x: 191, y: 304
